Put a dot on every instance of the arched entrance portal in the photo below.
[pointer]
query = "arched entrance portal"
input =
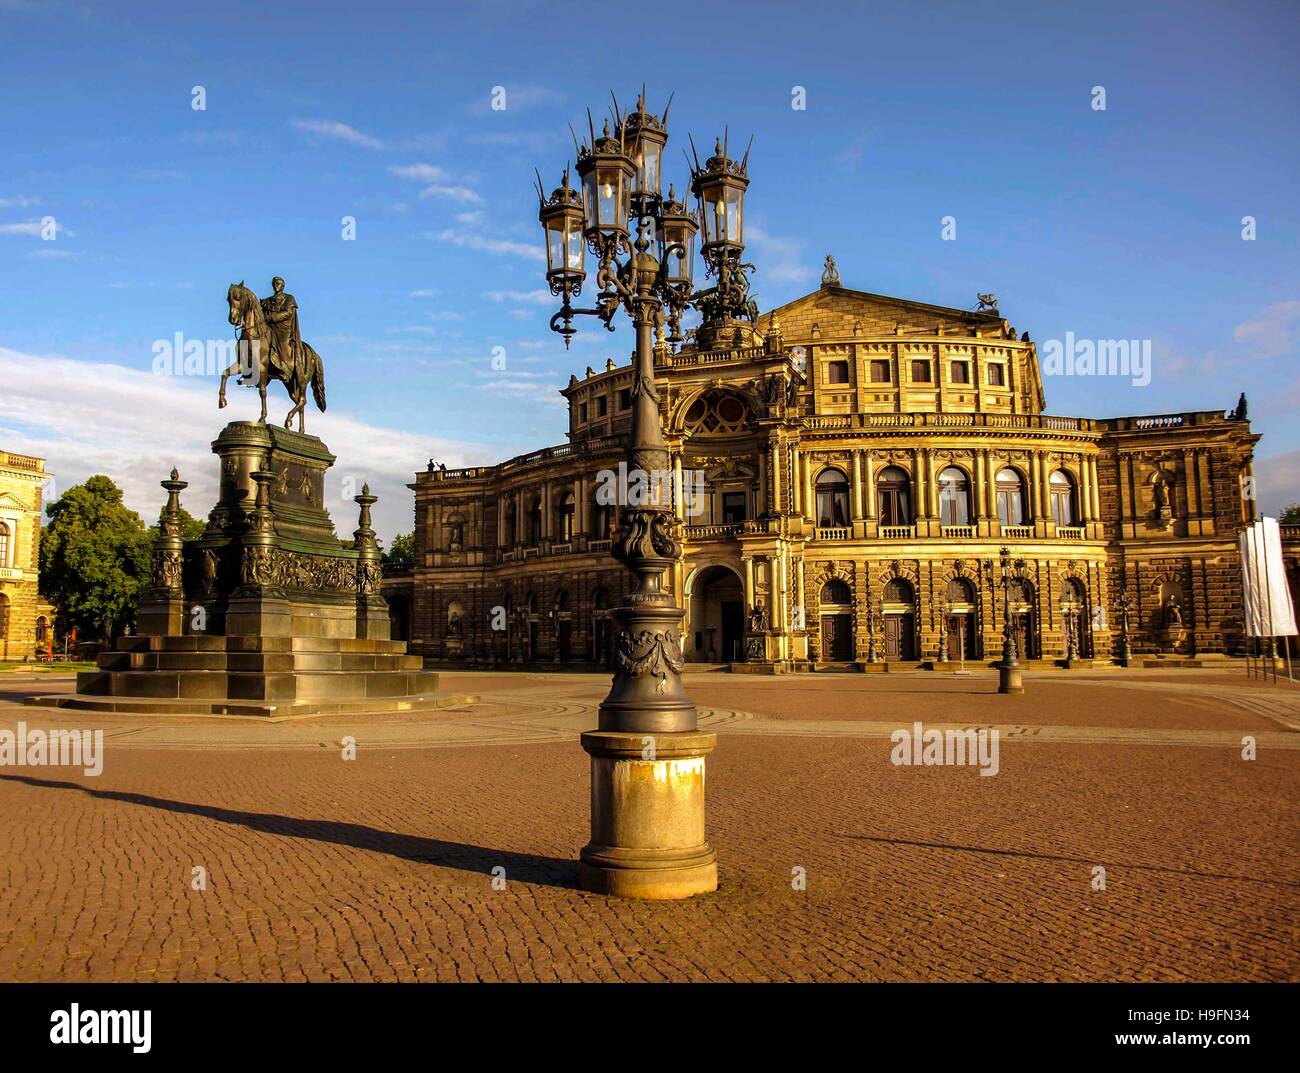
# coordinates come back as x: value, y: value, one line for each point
x: 961, y: 627
x: 898, y: 608
x: 1023, y: 625
x: 717, y: 619
x: 836, y: 602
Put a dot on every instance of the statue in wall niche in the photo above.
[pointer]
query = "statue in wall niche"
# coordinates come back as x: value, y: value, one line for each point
x: 455, y: 628
x: 1162, y: 498
x: 1173, y: 612
x: 758, y: 619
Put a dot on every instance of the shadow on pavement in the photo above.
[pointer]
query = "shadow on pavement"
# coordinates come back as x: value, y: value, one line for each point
x: 521, y: 867
x: 1066, y: 857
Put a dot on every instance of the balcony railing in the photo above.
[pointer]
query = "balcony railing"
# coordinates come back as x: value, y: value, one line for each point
x: 897, y: 532
x: 831, y: 533
x: 1069, y: 532
x: 599, y: 545
x: 1018, y: 532
x: 714, y: 532
x: 958, y: 532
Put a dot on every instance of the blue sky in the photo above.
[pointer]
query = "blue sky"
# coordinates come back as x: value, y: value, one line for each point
x: 1123, y: 223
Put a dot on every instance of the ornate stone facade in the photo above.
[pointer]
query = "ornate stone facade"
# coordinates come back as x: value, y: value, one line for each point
x: 858, y: 469
x: 26, y: 621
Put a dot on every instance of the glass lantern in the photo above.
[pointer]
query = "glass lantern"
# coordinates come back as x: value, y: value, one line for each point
x: 563, y: 222
x: 675, y: 226
x: 607, y: 191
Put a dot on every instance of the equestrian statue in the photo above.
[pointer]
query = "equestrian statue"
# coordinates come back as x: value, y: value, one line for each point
x: 270, y: 347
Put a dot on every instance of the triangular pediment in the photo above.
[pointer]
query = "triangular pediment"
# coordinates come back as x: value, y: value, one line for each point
x: 838, y: 312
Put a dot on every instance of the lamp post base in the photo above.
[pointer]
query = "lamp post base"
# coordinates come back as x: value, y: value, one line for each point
x: 1009, y: 680
x: 647, y: 815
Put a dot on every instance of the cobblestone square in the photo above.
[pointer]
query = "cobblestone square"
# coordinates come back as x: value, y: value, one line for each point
x: 382, y: 868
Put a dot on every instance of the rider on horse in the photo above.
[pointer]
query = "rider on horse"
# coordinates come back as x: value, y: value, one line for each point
x: 281, y: 313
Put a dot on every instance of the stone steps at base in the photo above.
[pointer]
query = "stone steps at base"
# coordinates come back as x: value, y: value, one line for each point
x: 271, y: 710
x: 255, y: 686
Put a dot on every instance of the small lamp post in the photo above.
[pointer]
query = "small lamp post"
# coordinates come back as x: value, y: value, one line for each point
x: 1009, y: 676
x: 1125, y: 609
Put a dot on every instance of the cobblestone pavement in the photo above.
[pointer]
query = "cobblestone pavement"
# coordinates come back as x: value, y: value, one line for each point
x: 380, y: 868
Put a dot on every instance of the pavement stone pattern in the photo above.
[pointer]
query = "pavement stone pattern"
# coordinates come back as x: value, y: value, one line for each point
x: 381, y: 868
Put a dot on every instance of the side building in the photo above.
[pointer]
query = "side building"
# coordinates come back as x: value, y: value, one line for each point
x: 860, y: 461
x: 26, y: 620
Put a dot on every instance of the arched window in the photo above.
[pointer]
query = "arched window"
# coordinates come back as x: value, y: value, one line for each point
x: 4, y: 544
x: 535, y: 521
x: 564, y: 519
x: 4, y: 616
x: 716, y: 412
x: 1062, y: 488
x: 602, y: 518
x: 836, y: 592
x: 894, y: 496
x: 562, y: 600
x: 898, y: 591
x: 42, y: 627
x: 954, y: 497
x: 1011, y: 497
x: 832, y: 499
x: 960, y: 591
x: 509, y: 524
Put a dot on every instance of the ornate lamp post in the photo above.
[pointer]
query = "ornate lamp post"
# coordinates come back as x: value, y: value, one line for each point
x: 647, y: 755
x: 1009, y: 677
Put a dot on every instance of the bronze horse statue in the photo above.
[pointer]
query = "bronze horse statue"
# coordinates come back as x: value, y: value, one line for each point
x: 253, y: 360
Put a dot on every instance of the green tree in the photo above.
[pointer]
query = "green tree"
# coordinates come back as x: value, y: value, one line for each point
x: 1291, y: 515
x: 94, y: 558
x: 401, y: 555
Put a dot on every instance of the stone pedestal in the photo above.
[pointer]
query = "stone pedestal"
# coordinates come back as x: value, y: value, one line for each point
x: 647, y: 815
x: 267, y: 612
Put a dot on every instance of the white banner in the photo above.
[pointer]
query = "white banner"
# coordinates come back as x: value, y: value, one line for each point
x: 1268, y: 600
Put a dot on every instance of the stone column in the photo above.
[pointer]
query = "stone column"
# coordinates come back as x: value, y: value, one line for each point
x: 869, y: 487
x: 1085, y: 493
x: 919, y: 492
x: 1096, y: 491
x: 677, y: 486
x: 856, y: 487
x: 775, y: 451
x: 748, y: 562
x: 809, y: 500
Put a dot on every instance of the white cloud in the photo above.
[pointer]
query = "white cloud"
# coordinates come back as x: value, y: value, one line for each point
x: 440, y: 183
x: 425, y: 173
x: 518, y: 98
x: 489, y: 245
x: 19, y: 202
x: 779, y: 260
x: 538, y: 297
x: 29, y: 227
x: 462, y: 194
x: 1273, y: 332
x: 133, y: 426
x: 330, y: 128
x: 424, y: 292
x: 1278, y: 481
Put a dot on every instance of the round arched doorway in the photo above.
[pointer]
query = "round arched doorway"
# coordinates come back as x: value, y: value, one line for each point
x: 836, y: 604
x: 898, y: 609
x: 717, y: 616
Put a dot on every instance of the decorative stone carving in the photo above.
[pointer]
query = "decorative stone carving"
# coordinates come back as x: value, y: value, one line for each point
x: 648, y: 652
